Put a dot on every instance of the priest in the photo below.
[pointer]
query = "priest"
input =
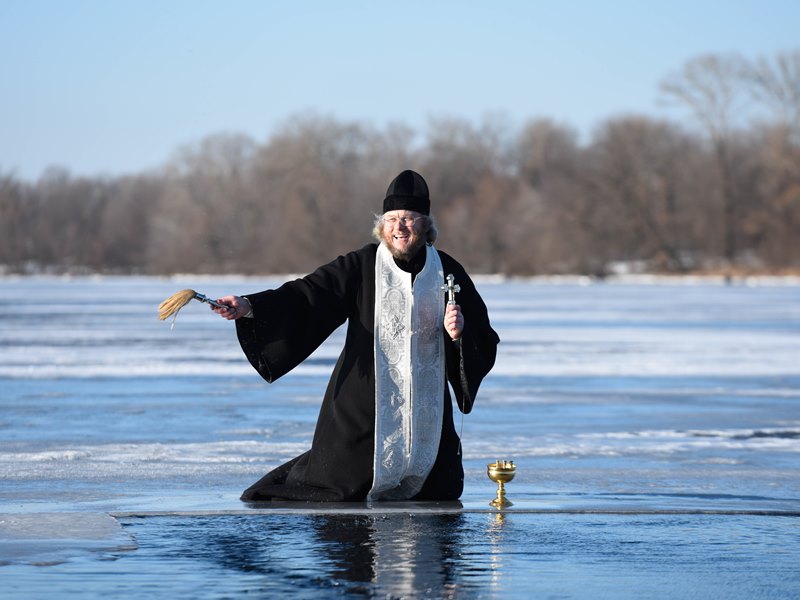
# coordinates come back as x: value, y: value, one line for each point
x: 385, y: 429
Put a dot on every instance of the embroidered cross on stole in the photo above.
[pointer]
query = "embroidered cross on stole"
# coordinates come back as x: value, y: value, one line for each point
x: 409, y: 375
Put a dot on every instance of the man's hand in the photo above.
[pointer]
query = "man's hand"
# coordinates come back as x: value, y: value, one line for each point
x: 236, y: 307
x: 453, y: 321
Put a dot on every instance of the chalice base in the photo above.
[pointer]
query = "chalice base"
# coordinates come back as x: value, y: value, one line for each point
x: 500, y: 501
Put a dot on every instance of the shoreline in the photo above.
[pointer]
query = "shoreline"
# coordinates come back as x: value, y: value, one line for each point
x: 749, y: 280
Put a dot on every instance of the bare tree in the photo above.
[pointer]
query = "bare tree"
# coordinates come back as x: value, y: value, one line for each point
x: 639, y: 166
x: 547, y: 153
x: 319, y: 183
x: 457, y: 155
x: 16, y: 242
x: 204, y: 216
x: 552, y: 228
x: 476, y: 226
x: 774, y: 223
x: 126, y: 222
x: 776, y: 83
x: 710, y: 86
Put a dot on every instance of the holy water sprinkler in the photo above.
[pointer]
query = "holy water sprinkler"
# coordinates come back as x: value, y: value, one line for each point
x: 501, y: 472
x: 177, y: 301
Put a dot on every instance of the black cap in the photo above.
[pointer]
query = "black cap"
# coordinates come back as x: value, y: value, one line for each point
x: 408, y: 191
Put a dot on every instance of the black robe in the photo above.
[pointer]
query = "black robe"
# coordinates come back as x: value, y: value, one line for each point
x: 290, y: 322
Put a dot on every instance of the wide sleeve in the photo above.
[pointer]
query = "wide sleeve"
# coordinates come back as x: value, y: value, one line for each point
x: 470, y: 358
x: 290, y: 322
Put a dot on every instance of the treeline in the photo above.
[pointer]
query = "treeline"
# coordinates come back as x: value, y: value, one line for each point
x: 724, y: 194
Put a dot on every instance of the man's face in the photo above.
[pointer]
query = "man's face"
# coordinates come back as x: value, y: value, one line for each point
x: 403, y: 232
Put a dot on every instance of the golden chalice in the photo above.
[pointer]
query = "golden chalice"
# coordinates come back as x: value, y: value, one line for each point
x: 501, y: 472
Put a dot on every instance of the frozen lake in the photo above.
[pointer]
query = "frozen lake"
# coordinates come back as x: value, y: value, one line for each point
x: 656, y: 429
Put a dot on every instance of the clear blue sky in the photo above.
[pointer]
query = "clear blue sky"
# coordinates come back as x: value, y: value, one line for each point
x: 116, y: 86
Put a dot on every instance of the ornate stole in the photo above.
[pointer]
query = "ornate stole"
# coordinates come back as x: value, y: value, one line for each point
x: 409, y: 375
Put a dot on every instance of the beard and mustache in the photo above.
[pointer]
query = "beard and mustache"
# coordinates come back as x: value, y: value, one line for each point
x: 403, y: 245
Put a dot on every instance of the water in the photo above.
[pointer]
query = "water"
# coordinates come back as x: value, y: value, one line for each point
x: 452, y: 556
x: 656, y: 428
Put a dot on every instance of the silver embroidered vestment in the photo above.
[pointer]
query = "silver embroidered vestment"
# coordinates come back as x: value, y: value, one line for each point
x: 409, y: 375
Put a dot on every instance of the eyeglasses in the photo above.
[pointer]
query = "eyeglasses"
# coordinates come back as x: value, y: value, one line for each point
x: 407, y: 221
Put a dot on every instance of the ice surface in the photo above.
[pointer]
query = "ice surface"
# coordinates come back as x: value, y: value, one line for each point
x: 50, y: 538
x: 632, y: 409
x: 667, y: 386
